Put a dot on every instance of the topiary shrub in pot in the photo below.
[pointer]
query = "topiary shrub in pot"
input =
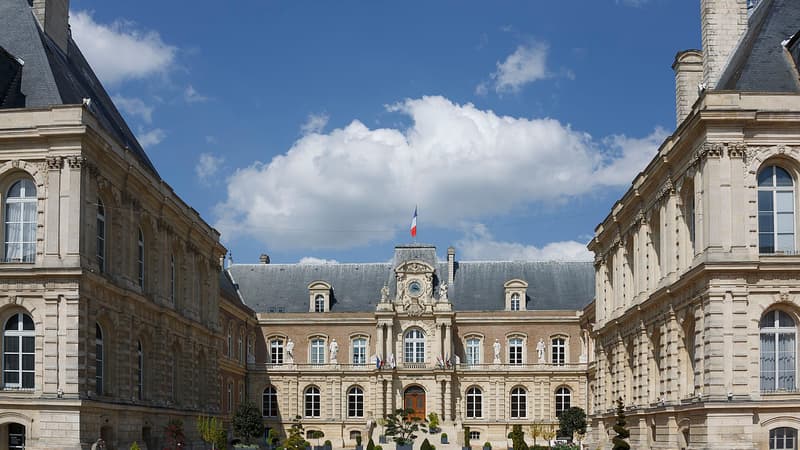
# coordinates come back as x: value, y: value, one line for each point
x: 443, y: 438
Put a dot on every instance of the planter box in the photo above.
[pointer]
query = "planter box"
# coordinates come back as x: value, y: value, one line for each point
x: 405, y: 446
x: 466, y: 448
x: 382, y: 440
x: 444, y: 440
x: 359, y: 447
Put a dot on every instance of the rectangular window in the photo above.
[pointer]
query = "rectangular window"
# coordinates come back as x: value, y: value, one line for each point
x: 559, y: 352
x: 515, y: 351
x: 473, y: 351
x: 276, y: 351
x: 317, y: 351
x: 359, y: 351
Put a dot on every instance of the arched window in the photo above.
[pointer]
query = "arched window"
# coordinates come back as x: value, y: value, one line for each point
x: 230, y: 395
x: 140, y: 258
x: 19, y: 352
x: 515, y: 302
x: 783, y: 439
x: 269, y: 402
x: 99, y: 351
x: 775, y: 210
x: 317, y: 351
x: 16, y: 436
x: 139, y: 371
x: 473, y: 351
x: 515, y: 351
x: 474, y: 403
x: 519, y: 403
x: 172, y: 278
x: 414, y: 346
x: 240, y: 344
x: 20, y: 221
x: 355, y: 402
x: 360, y: 351
x: 276, y: 351
x: 312, y: 402
x: 558, y: 351
x: 319, y: 303
x: 778, y: 352
x: 101, y: 236
x: 563, y: 400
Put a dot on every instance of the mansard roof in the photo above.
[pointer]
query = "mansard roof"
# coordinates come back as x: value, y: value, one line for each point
x: 760, y: 62
x: 51, y: 76
x: 477, y: 285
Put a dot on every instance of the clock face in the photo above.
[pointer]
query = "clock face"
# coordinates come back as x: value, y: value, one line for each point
x: 414, y: 288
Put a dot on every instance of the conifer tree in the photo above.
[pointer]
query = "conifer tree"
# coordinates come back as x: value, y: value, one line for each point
x: 622, y: 432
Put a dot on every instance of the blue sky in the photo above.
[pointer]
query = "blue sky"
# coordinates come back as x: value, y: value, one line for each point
x: 311, y: 129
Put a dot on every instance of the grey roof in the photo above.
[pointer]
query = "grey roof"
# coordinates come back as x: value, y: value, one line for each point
x: 53, y: 77
x: 760, y: 62
x: 477, y: 286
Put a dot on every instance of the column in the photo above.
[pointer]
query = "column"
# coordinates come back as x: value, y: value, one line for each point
x: 448, y: 342
x: 379, y: 349
x: 446, y: 400
x: 390, y: 340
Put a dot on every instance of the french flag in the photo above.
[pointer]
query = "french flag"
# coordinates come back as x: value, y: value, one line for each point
x: 414, y: 224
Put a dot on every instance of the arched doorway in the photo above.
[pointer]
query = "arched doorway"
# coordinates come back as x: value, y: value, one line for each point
x: 414, y: 400
x: 16, y: 436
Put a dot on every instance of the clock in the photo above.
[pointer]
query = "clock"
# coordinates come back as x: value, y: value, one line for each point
x: 414, y: 289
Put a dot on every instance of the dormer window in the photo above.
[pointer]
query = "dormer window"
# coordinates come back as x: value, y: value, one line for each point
x: 319, y: 295
x: 516, y: 292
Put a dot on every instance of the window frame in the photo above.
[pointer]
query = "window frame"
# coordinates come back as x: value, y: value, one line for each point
x: 99, y: 360
x: 269, y: 402
x: 473, y: 349
x: 774, y: 188
x: 277, y: 352
x: 474, y: 402
x: 516, y: 353
x: 319, y: 303
x: 355, y: 402
x: 776, y: 332
x: 317, y: 354
x: 140, y: 258
x: 26, y: 202
x: 358, y: 352
x: 100, y: 232
x: 515, y: 301
x: 563, y: 400
x: 558, y: 350
x: 519, y: 403
x: 414, y: 346
x: 789, y: 440
x: 139, y: 370
x: 22, y: 336
x: 312, y: 402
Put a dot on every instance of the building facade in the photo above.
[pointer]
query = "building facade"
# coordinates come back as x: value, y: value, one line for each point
x: 484, y: 345
x: 697, y: 308
x: 108, y: 281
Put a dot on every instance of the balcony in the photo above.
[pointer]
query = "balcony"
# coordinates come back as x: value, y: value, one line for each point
x: 538, y: 367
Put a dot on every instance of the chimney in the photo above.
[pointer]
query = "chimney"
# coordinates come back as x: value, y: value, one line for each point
x: 688, y: 67
x: 53, y: 16
x: 723, y: 22
x: 451, y: 265
x: 264, y: 258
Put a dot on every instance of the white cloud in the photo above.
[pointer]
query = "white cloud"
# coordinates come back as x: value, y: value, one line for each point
x: 527, y: 64
x: 479, y: 244
x: 151, y: 137
x: 356, y: 185
x: 190, y: 95
x: 315, y: 123
x: 134, y: 107
x: 120, y: 51
x: 207, y: 166
x: 310, y: 260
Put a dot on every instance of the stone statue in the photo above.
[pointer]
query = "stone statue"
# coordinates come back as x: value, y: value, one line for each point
x: 496, y: 347
x: 100, y: 444
x: 540, y: 348
x: 290, y: 352
x: 333, y: 348
x: 443, y: 292
x: 384, y: 294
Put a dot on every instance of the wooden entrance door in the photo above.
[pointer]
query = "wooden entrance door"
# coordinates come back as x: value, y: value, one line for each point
x: 414, y: 399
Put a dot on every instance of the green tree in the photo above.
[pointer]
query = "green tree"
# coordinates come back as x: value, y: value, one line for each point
x: 433, y: 422
x: 619, y: 428
x: 402, y: 427
x: 135, y: 446
x: 211, y: 431
x: 518, y: 438
x: 425, y: 445
x: 247, y: 422
x: 295, y: 438
x: 370, y: 444
x: 572, y: 421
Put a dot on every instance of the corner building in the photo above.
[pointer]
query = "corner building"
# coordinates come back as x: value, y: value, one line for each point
x: 697, y: 295
x: 483, y: 344
x: 108, y: 281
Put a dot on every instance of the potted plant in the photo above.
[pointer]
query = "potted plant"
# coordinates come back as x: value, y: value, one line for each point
x: 327, y: 445
x: 402, y: 427
x: 294, y: 438
x: 487, y: 446
x: 371, y: 444
x: 444, y: 438
x: 378, y: 447
x: 425, y: 445
x: 382, y: 438
x: 466, y: 445
x: 316, y: 434
x: 358, y: 442
x: 433, y: 423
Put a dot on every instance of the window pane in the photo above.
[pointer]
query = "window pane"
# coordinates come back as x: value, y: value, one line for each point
x: 13, y: 323
x: 782, y: 177
x: 27, y: 322
x: 765, y: 201
x: 766, y: 222
x: 11, y: 344
x: 765, y: 177
x: 785, y: 223
x: 785, y: 243
x: 766, y: 243
x: 785, y: 201
x: 11, y: 361
x: 27, y: 362
x: 767, y: 362
x: 28, y: 344
x: 10, y: 377
x: 784, y: 320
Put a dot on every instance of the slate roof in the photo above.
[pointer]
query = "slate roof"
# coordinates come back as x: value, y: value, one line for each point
x: 760, y: 63
x: 477, y: 286
x: 52, y: 77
